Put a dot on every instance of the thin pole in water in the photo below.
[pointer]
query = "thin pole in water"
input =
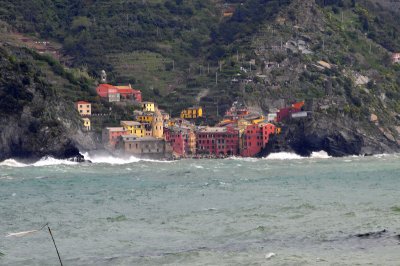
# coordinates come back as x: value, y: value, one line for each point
x: 54, y: 242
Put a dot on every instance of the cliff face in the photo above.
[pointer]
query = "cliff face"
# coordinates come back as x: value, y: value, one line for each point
x: 338, y: 137
x: 34, y: 120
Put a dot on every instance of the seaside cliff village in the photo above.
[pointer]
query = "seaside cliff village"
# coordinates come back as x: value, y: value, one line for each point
x: 153, y: 133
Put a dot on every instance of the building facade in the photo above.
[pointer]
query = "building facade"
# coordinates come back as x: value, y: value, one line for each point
x: 84, y: 108
x: 110, y: 136
x: 157, y: 125
x: 255, y: 138
x: 124, y: 92
x: 148, y: 107
x: 86, y: 124
x: 182, y: 140
x: 220, y: 141
x: 192, y: 113
x: 134, y: 128
x: 145, y: 147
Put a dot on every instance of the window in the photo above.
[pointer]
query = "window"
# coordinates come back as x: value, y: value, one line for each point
x: 130, y: 146
x: 81, y: 106
x: 87, y: 106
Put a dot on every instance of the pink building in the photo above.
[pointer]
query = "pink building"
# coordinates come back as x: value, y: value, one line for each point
x: 396, y: 58
x: 110, y: 136
x: 218, y: 141
x: 126, y: 92
x: 255, y: 138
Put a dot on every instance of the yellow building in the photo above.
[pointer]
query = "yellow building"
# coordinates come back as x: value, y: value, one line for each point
x: 84, y: 108
x: 157, y: 125
x: 86, y: 123
x: 134, y: 128
x: 258, y: 120
x: 145, y: 117
x: 192, y: 113
x: 148, y: 107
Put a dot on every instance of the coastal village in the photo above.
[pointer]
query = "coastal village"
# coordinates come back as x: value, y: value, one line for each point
x: 152, y: 133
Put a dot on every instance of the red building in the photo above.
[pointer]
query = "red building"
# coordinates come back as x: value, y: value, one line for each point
x: 286, y: 112
x: 255, y: 138
x: 218, y: 141
x: 126, y: 92
x: 110, y: 136
x: 182, y: 140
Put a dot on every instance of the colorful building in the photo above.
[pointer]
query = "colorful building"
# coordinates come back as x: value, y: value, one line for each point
x: 181, y: 139
x: 134, y: 128
x: 84, y: 108
x: 255, y: 138
x: 286, y: 112
x: 220, y: 141
x: 114, y: 92
x: 143, y: 117
x: 110, y: 136
x: 192, y: 113
x: 148, y: 107
x: 145, y: 147
x: 396, y: 58
x: 157, y: 125
x: 86, y: 123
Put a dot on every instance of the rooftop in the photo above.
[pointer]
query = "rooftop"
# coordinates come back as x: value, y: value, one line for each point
x: 134, y: 138
x: 115, y: 129
x: 82, y: 102
x: 130, y: 123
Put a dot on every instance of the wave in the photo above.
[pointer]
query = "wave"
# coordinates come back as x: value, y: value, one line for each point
x: 45, y: 161
x: 12, y: 163
x: 294, y: 156
x: 108, y: 159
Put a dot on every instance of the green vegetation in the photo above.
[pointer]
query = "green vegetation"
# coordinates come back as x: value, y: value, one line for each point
x: 181, y: 53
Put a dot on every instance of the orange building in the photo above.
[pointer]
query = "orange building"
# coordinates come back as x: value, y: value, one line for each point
x: 84, y: 108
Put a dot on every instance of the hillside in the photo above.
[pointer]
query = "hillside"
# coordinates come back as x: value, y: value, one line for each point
x: 335, y: 54
x: 37, y: 118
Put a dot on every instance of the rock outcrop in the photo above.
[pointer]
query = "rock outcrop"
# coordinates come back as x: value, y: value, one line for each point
x: 34, y: 120
x: 337, y: 136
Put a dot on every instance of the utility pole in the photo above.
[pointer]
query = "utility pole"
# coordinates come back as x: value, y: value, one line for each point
x: 173, y: 65
x: 237, y: 55
x: 216, y: 78
x: 323, y: 45
x: 208, y: 68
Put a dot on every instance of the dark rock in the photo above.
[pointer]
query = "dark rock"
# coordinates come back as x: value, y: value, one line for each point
x: 338, y: 136
x: 377, y: 234
x: 34, y: 121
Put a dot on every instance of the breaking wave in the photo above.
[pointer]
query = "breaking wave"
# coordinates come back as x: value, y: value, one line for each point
x: 108, y: 159
x: 45, y: 161
x: 294, y: 156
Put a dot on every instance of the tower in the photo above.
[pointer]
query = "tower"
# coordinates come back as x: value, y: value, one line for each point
x: 103, y: 78
x: 157, y: 125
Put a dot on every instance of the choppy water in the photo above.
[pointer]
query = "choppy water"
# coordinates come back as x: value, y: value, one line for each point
x: 202, y: 212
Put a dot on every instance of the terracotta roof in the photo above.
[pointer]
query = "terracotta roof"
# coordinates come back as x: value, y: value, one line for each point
x: 82, y: 102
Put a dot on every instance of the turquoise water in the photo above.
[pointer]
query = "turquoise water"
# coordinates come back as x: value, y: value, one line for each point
x: 202, y: 212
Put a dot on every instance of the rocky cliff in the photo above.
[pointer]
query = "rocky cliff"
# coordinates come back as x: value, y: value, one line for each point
x: 34, y: 120
x: 338, y: 137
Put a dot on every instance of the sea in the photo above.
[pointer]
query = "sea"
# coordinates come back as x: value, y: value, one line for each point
x: 279, y: 210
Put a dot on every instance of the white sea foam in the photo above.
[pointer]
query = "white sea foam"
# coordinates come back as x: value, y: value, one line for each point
x: 108, y: 159
x: 294, y: 156
x: 320, y: 155
x: 284, y: 156
x: 46, y: 161
x: 12, y: 163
